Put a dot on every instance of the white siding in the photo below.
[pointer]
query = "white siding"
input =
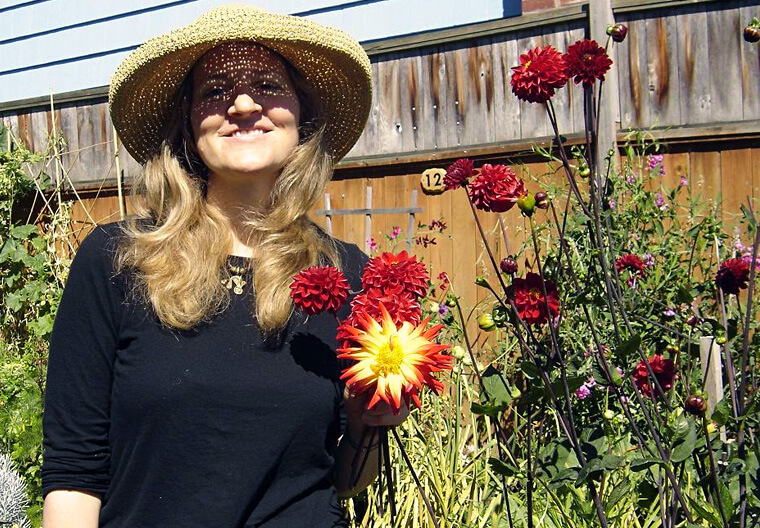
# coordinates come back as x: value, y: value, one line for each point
x: 57, y: 46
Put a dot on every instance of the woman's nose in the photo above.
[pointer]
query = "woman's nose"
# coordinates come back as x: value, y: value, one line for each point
x: 244, y: 104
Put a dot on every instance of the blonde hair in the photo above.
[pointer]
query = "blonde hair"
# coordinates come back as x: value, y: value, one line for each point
x: 177, y: 243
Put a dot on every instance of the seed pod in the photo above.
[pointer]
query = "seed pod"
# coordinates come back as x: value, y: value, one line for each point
x: 527, y: 204
x: 751, y: 34
x: 508, y: 265
x: 486, y: 322
x: 695, y: 405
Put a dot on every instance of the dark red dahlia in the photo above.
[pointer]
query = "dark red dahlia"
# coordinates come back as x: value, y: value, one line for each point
x: 587, y: 61
x: 401, y: 305
x: 733, y: 275
x: 496, y: 188
x: 319, y: 288
x: 540, y: 73
x: 632, y: 263
x: 387, y: 271
x: 458, y: 174
x: 664, y: 370
x: 530, y: 301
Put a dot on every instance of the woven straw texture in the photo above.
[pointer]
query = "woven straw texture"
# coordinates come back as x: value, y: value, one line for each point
x: 143, y: 89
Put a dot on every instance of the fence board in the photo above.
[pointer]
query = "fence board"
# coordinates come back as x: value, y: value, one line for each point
x: 724, y: 34
x: 705, y: 170
x: 662, y: 66
x: 694, y: 68
x: 736, y: 182
x: 506, y: 107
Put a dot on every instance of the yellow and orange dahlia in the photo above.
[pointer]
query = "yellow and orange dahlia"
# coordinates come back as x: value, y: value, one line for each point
x: 393, y: 361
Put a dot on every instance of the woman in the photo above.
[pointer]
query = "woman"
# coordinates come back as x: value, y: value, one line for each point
x: 182, y: 388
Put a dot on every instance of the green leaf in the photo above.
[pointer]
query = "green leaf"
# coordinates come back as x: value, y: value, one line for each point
x: 619, y: 491
x: 684, y: 446
x: 640, y: 464
x: 683, y: 296
x: 705, y: 511
x: 611, y: 462
x: 495, y: 386
x: 530, y: 370
x: 628, y: 347
x: 722, y: 412
x: 500, y: 468
x: 487, y: 409
x: 591, y: 470
x: 23, y: 232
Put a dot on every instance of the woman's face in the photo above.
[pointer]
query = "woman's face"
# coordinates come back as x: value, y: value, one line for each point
x: 244, y: 112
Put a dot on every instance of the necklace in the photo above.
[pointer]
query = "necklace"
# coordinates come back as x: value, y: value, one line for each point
x: 236, y: 281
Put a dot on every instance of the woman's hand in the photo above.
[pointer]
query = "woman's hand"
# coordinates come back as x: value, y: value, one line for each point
x: 380, y: 415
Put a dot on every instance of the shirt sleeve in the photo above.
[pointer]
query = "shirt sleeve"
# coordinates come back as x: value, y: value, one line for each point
x: 83, y: 348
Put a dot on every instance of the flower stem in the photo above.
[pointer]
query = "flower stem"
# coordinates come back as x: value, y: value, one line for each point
x: 714, y: 473
x: 429, y: 507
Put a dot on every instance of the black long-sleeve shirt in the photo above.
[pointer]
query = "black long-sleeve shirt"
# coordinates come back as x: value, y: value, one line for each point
x: 201, y: 428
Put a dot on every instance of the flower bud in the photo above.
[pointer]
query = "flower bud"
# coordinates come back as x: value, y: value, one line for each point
x: 527, y: 204
x: 751, y: 34
x: 609, y: 414
x: 499, y: 314
x: 671, y: 348
x: 480, y: 280
x: 721, y: 339
x: 508, y: 265
x: 617, y: 32
x: 692, y: 321
x: 695, y: 405
x: 584, y: 171
x: 711, y: 427
x: 457, y: 352
x: 542, y: 200
x: 451, y: 301
x: 486, y: 322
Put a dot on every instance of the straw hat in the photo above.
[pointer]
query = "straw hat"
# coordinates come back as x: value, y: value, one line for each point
x: 144, y: 88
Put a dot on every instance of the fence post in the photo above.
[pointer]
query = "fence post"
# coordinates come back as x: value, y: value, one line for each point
x: 601, y: 16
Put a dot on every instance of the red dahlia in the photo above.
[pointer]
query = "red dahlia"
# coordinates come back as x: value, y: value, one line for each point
x: 631, y: 263
x: 540, y: 73
x: 319, y: 288
x: 664, y: 370
x: 733, y: 275
x: 458, y: 174
x: 587, y: 61
x: 401, y: 305
x: 530, y: 301
x: 496, y: 188
x: 388, y: 271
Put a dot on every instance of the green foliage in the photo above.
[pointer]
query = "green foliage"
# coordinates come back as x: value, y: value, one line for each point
x: 30, y: 288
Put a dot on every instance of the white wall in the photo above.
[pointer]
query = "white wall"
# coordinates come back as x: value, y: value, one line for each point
x: 56, y: 46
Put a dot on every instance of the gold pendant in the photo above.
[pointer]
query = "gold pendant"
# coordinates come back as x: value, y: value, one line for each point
x: 235, y: 282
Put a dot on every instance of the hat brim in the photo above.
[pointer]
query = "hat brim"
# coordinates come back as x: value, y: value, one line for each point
x: 143, y: 91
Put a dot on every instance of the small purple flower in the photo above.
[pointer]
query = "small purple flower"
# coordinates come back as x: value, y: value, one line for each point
x: 669, y: 313
x: 620, y: 371
x: 684, y: 181
x: 371, y: 244
x: 648, y: 259
x: 591, y: 382
x: 747, y: 257
x: 583, y: 392
x: 659, y: 201
x: 693, y: 321
x: 443, y: 310
x: 624, y: 399
x: 395, y: 233
x: 631, y: 179
x: 657, y: 160
x: 612, y: 203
